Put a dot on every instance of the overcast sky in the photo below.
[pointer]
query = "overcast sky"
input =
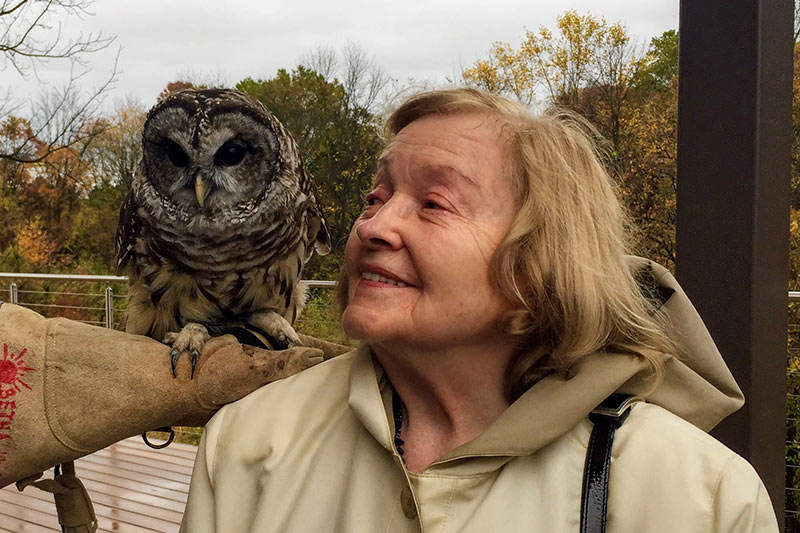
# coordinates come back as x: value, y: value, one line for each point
x: 426, y: 40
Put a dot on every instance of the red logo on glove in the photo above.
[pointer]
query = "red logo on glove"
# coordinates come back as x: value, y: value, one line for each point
x: 12, y: 370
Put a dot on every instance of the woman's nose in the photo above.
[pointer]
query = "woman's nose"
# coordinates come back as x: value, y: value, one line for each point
x: 383, y: 229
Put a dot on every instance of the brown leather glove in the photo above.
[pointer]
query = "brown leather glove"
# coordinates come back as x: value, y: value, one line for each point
x: 68, y: 389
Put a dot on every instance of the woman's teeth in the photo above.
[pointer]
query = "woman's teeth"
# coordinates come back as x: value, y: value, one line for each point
x: 371, y: 276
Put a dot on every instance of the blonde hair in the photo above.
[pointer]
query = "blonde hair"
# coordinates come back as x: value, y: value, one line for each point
x: 563, y: 263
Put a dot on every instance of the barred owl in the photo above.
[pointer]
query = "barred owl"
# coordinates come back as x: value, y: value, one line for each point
x: 219, y: 223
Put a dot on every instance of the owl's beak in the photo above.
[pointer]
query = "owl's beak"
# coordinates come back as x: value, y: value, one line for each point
x: 201, y: 189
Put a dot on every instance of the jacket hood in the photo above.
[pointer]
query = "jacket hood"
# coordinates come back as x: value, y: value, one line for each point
x: 696, y: 386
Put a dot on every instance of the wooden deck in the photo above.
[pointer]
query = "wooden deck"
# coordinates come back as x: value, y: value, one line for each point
x: 133, y: 488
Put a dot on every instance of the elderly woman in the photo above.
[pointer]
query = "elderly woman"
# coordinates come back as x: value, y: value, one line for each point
x: 488, y: 282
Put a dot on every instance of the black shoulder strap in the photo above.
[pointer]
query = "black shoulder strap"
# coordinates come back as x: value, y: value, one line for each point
x: 607, y: 417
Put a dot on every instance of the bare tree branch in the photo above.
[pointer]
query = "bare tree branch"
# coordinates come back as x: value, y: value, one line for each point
x: 322, y: 60
x: 28, y: 33
x: 31, y: 32
x: 60, y: 119
x: 363, y: 80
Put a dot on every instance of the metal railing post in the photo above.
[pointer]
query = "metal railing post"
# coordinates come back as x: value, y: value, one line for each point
x: 109, y: 307
x: 13, y: 293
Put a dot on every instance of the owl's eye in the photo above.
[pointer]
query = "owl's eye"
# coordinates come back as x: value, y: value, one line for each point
x: 175, y: 153
x: 231, y: 153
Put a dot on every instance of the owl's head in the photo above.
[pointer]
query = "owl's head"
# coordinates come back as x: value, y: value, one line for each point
x: 207, y: 151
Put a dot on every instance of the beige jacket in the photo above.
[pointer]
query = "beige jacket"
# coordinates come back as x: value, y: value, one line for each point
x: 314, y: 453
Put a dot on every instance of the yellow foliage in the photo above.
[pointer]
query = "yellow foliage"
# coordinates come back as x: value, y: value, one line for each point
x: 587, y: 52
x: 794, y: 247
x: 484, y: 75
x: 33, y: 243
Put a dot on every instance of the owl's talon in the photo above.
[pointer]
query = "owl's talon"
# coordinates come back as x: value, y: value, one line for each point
x: 276, y: 328
x: 174, y: 354
x: 193, y: 356
x: 190, y: 339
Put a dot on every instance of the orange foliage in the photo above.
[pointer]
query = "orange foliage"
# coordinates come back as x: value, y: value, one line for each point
x: 33, y: 243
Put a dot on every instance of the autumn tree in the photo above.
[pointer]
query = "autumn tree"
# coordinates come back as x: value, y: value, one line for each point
x: 115, y: 155
x: 12, y: 130
x: 68, y: 199
x: 14, y: 177
x: 794, y: 222
x: 174, y: 87
x: 649, y: 178
x: 113, y: 160
x: 649, y: 149
x: 41, y: 196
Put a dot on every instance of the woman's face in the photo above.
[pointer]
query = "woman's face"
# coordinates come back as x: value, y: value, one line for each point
x: 418, y: 257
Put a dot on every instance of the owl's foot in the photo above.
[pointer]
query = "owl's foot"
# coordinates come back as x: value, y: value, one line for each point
x: 276, y: 328
x: 192, y: 337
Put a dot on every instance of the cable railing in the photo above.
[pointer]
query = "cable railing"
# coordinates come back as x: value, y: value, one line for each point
x: 96, y: 308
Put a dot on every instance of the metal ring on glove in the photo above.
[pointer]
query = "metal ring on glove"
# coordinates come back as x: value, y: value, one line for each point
x: 163, y: 445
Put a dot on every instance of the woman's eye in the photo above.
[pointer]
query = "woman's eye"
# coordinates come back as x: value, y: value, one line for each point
x: 372, y: 199
x: 431, y: 205
x: 231, y: 153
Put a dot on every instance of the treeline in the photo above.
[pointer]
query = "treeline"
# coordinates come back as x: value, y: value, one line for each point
x: 59, y: 206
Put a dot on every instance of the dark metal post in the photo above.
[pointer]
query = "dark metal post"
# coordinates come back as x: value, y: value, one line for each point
x: 734, y: 149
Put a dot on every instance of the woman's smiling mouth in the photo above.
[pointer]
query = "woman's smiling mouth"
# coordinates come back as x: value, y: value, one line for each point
x: 374, y: 276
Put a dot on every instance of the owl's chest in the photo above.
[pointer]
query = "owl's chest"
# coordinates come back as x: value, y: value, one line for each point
x: 202, y: 297
x: 227, y: 277
x: 218, y: 249
x: 209, y: 296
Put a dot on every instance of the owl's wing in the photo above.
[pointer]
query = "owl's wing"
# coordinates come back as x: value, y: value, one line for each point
x: 319, y: 233
x: 128, y: 230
